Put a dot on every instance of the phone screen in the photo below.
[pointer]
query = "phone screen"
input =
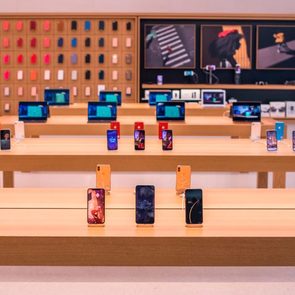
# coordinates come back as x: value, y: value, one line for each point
x: 112, y: 138
x: 271, y: 140
x: 167, y: 140
x: 5, y: 139
x: 193, y: 206
x: 139, y: 140
x: 95, y: 206
x: 293, y: 140
x: 145, y: 204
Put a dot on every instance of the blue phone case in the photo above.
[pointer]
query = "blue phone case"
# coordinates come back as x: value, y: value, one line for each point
x: 280, y: 128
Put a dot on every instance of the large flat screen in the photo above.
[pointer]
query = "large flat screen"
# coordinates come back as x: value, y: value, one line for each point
x: 246, y: 111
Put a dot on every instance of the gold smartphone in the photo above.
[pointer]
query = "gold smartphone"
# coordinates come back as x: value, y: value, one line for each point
x: 103, y: 177
x: 183, y: 178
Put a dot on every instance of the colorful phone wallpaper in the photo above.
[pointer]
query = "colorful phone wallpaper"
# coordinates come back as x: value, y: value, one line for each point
x: 112, y: 138
x: 167, y: 140
x: 5, y: 139
x: 145, y: 204
x: 139, y: 139
x: 271, y: 140
x: 96, y: 206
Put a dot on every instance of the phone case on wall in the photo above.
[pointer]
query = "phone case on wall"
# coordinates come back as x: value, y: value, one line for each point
x: 87, y: 25
x: 114, y: 75
x: 74, y: 59
x: 6, y: 42
x: 103, y: 177
x: 87, y: 42
x: 60, y: 75
x: 6, y: 91
x: 128, y: 26
x: 33, y: 59
x: 115, y: 42
x: 87, y: 75
x: 33, y: 25
x: 128, y: 42
x: 183, y: 178
x: 60, y: 26
x: 46, y: 25
x: 46, y: 42
x: 128, y: 75
x: 74, y: 42
x: 47, y: 75
x: 33, y: 75
x: 115, y: 58
x: 87, y: 58
x: 87, y: 91
x: 74, y: 75
x: 47, y: 59
x: 101, y: 75
x: 115, y: 26
x: 74, y: 25
x: 75, y: 91
x: 20, y: 42
x: 20, y: 59
x: 60, y: 59
x: 128, y: 91
x: 33, y: 42
x: 34, y: 91
x: 19, y: 25
x: 20, y: 75
x: 101, y: 58
x: 20, y: 91
x: 6, y: 59
x: 60, y: 42
x: 5, y: 26
x: 101, y: 25
x: 6, y: 75
x: 101, y: 42
x: 128, y: 59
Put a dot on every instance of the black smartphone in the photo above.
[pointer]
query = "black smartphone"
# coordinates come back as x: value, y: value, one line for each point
x: 145, y: 204
x: 139, y: 140
x: 271, y: 140
x: 74, y: 25
x: 5, y: 139
x: 101, y: 75
x: 193, y: 206
x: 167, y: 140
x: 101, y: 42
x: 112, y: 139
x: 115, y: 26
x: 101, y: 58
x: 95, y: 206
x: 293, y: 140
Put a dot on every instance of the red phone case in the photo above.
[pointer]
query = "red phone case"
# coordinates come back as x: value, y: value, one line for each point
x: 19, y: 42
x: 20, y: 59
x: 138, y: 125
x: 162, y: 126
x: 116, y: 126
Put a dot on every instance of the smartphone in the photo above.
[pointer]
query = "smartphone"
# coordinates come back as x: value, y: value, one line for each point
x: 145, y: 204
x: 167, y: 140
x: 115, y: 125
x: 5, y: 139
x: 193, y: 207
x: 183, y: 178
x: 280, y: 129
x: 293, y: 140
x: 138, y: 125
x: 162, y: 126
x: 95, y: 206
x: 139, y: 139
x: 103, y: 177
x: 255, y: 131
x: 271, y: 140
x: 112, y: 139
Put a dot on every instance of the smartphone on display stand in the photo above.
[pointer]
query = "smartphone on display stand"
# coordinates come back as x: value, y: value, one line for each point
x: 115, y: 125
x: 5, y: 139
x: 293, y: 140
x: 103, y: 177
x: 183, y: 178
x: 95, y: 207
x: 112, y: 139
x: 255, y: 131
x: 167, y: 140
x: 162, y: 126
x: 139, y: 140
x: 138, y: 125
x: 280, y: 129
x: 271, y: 140
x: 193, y: 207
x: 145, y: 205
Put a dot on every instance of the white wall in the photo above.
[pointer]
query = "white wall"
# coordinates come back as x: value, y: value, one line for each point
x: 185, y: 6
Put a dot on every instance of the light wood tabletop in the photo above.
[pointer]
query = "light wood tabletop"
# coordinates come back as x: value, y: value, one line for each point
x: 202, y: 154
x: 192, y: 126
x: 242, y: 227
x: 137, y: 109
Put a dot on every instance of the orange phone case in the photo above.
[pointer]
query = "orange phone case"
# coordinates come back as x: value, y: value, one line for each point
x: 103, y: 177
x: 183, y: 178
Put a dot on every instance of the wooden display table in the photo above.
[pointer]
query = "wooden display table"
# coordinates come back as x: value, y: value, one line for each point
x: 136, y: 109
x: 199, y: 126
x: 202, y: 154
x: 243, y: 227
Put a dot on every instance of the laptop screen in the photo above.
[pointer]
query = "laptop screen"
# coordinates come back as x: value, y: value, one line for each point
x: 246, y: 111
x: 32, y: 111
x: 111, y: 96
x: 170, y: 111
x: 102, y: 111
x: 159, y: 96
x: 57, y: 96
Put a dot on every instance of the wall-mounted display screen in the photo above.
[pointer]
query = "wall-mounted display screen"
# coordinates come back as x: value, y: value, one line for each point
x: 169, y: 46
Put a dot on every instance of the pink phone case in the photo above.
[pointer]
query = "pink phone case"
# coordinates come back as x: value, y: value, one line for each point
x: 47, y: 59
x: 5, y: 42
x: 5, y: 26
x: 46, y: 25
x: 6, y: 59
x: 6, y: 75
x: 46, y: 42
x: 19, y: 25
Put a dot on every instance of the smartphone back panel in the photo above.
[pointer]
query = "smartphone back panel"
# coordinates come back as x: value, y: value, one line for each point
x: 103, y: 177
x: 183, y: 178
